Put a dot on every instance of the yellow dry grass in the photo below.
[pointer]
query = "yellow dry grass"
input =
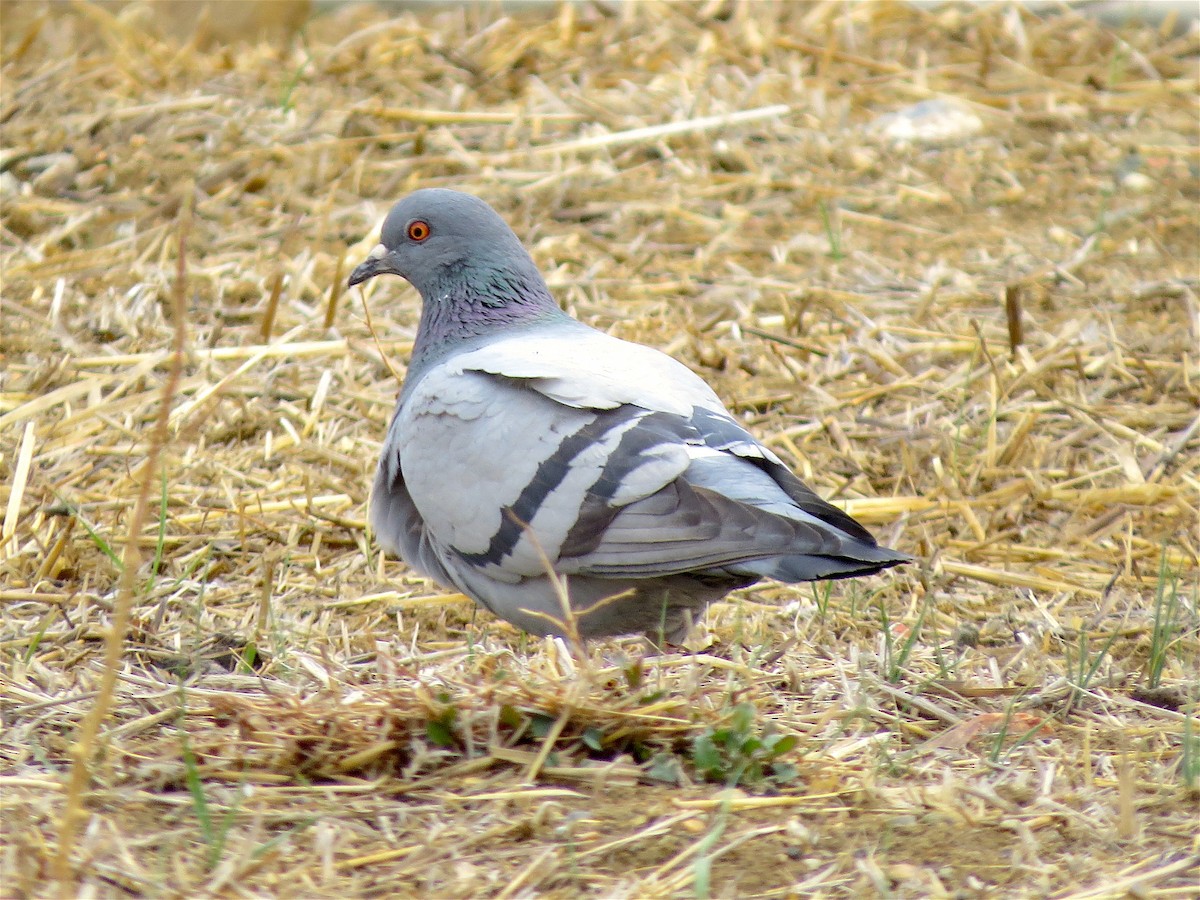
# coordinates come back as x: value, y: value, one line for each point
x: 985, y: 346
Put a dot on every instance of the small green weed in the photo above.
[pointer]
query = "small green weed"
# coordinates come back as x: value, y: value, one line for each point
x: 286, y: 94
x: 897, y: 653
x: 40, y: 633
x: 735, y: 754
x: 1167, y: 625
x: 821, y: 591
x: 215, y: 833
x: 440, y: 728
x: 1084, y: 667
x: 997, y: 754
x: 833, y: 233
x: 1189, y: 756
x: 98, y: 539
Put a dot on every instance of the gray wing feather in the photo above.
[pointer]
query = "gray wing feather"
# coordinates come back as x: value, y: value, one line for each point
x: 588, y: 369
x: 606, y: 459
x: 397, y: 524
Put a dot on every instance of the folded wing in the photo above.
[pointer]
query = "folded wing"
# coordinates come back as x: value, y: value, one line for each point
x: 603, y: 459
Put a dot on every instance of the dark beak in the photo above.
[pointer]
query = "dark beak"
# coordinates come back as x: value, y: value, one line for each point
x: 364, y: 271
x: 375, y: 264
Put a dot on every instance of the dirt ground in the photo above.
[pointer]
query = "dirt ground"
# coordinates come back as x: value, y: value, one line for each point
x: 944, y: 260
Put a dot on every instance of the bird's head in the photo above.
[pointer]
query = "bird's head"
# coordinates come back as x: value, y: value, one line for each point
x: 435, y: 237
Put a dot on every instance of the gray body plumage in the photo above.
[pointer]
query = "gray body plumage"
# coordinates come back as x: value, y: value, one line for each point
x: 524, y: 439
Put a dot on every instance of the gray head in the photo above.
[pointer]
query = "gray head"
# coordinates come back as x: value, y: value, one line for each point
x: 436, y: 238
x: 474, y: 276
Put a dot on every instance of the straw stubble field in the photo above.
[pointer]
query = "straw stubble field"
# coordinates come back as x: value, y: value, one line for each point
x: 983, y: 343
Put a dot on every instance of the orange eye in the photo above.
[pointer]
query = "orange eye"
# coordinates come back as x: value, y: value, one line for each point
x: 418, y: 230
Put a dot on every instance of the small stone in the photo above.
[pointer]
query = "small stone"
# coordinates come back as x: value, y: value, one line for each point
x: 58, y: 176
x: 1137, y: 183
x: 692, y: 826
x: 10, y: 185
x: 930, y: 122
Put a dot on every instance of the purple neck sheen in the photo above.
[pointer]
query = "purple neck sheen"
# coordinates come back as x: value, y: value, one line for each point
x: 470, y: 302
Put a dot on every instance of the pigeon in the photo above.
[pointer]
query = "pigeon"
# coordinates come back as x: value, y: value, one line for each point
x: 532, y: 458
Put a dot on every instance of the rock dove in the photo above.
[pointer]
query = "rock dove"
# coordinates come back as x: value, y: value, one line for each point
x: 525, y: 441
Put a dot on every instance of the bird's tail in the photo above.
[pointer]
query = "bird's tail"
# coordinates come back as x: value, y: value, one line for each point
x: 866, y: 560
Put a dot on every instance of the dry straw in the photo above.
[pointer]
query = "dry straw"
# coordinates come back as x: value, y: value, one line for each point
x: 982, y: 344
